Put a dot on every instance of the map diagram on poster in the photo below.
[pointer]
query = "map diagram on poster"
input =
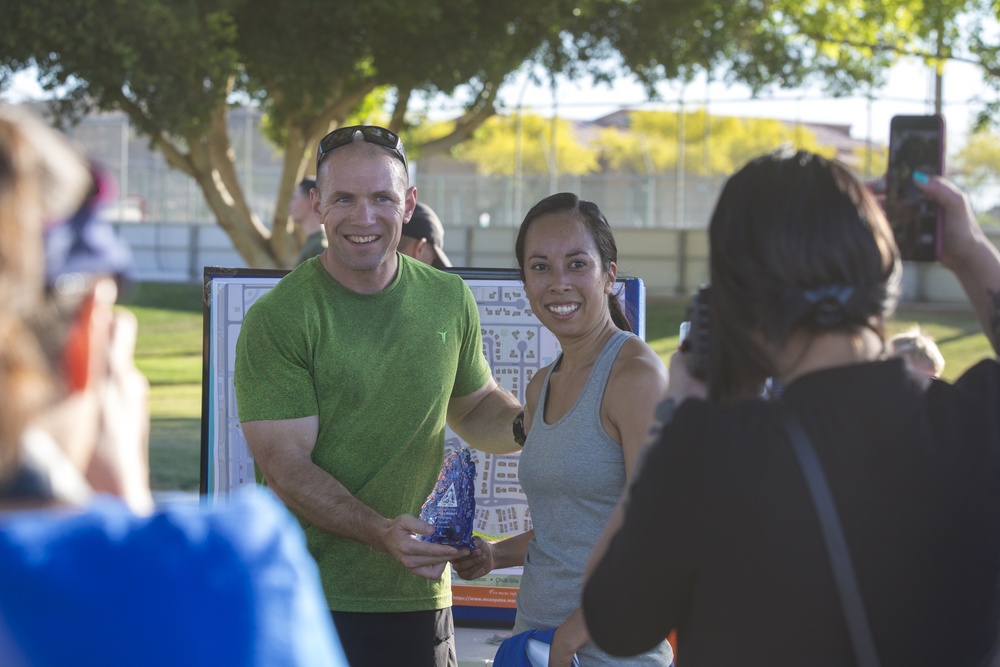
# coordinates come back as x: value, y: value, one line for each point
x: 231, y: 464
x: 516, y: 345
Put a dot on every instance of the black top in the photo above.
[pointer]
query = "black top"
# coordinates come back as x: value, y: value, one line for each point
x: 721, y: 540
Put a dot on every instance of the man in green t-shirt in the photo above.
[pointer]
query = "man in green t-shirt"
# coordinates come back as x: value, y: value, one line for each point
x: 346, y: 374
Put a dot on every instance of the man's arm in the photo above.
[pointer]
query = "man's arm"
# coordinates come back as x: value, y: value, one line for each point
x: 484, y: 418
x: 283, y: 450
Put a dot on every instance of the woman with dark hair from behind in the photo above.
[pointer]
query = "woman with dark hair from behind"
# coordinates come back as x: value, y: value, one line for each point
x: 718, y: 536
x: 586, y: 416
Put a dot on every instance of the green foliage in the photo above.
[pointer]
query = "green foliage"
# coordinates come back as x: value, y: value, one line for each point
x: 302, y: 61
x: 978, y: 161
x: 174, y: 65
x: 502, y: 143
x: 423, y: 133
x: 873, y: 161
x: 847, y: 44
x: 173, y: 59
x: 712, y: 145
x: 178, y: 60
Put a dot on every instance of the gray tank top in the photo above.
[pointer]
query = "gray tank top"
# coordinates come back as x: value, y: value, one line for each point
x: 572, y: 473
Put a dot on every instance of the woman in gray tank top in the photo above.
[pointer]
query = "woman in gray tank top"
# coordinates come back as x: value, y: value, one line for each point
x: 587, y: 415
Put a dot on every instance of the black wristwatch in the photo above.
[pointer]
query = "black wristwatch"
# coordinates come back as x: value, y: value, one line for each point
x: 519, y: 435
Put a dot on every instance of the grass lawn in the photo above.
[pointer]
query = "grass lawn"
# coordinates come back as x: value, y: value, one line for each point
x: 169, y: 352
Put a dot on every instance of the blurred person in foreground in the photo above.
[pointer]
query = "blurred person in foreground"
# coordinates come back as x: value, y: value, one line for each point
x: 90, y: 571
x: 718, y: 537
x: 301, y: 211
x: 346, y: 373
x: 423, y: 237
x: 586, y: 416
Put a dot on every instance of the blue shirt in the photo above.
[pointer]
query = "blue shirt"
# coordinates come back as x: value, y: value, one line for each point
x: 187, y: 586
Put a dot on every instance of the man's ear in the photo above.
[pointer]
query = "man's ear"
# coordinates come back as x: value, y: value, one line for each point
x: 314, y: 202
x: 409, y: 203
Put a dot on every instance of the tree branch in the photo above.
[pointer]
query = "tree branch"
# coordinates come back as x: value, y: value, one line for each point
x: 476, y: 114
x: 249, y: 236
x: 338, y: 109
x: 397, y: 121
x: 886, y: 48
x: 223, y: 158
x: 174, y: 156
x: 284, y: 243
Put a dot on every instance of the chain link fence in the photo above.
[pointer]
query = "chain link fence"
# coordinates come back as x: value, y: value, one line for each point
x: 152, y: 191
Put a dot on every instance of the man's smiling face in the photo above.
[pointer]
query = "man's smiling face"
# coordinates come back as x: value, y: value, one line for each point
x: 363, y: 201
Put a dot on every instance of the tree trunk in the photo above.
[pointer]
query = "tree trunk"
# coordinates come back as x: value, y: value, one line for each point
x: 285, y: 243
x: 249, y: 236
x: 210, y: 161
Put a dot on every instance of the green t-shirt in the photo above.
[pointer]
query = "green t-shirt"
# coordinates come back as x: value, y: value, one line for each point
x: 379, y: 370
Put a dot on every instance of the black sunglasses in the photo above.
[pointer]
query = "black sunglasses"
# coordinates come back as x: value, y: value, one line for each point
x: 373, y: 134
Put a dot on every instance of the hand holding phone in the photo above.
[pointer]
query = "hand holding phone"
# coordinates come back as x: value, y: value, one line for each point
x: 694, y: 332
x: 916, y: 144
x: 120, y: 464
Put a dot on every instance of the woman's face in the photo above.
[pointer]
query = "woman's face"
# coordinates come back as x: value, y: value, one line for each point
x: 563, y: 277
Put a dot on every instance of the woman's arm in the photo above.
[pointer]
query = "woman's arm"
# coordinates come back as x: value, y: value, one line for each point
x: 489, y: 556
x: 637, y: 384
x: 971, y: 256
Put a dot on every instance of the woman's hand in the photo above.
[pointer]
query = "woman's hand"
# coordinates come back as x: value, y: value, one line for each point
x: 120, y: 464
x: 682, y: 384
x: 567, y: 640
x: 477, y: 564
x: 967, y: 252
x: 960, y: 233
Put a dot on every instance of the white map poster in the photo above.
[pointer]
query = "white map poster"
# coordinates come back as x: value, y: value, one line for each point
x: 516, y: 345
x: 226, y: 461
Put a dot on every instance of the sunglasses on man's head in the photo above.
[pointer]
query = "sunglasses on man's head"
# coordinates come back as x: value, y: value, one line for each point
x: 373, y: 134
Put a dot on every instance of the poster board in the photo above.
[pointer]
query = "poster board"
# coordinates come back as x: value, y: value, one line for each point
x: 515, y: 344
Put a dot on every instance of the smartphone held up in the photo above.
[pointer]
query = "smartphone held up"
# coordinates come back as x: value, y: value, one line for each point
x: 916, y: 144
x: 694, y: 332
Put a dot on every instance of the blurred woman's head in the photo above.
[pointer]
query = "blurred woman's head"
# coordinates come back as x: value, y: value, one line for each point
x: 797, y: 245
x: 40, y: 177
x: 597, y: 226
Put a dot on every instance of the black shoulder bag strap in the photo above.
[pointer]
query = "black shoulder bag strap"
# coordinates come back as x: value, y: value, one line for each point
x: 833, y: 536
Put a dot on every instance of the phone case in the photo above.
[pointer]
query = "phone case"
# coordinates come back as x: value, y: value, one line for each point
x: 916, y: 143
